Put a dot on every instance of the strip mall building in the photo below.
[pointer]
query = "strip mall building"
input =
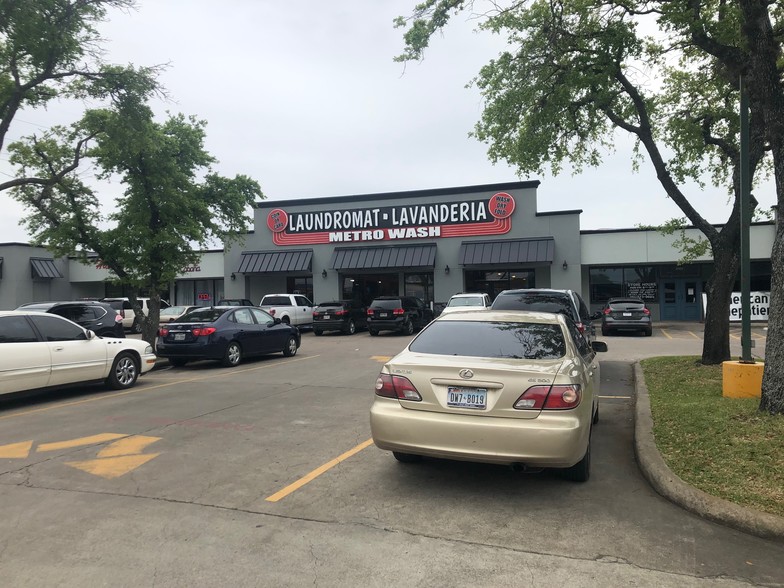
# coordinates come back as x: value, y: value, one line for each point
x: 427, y: 243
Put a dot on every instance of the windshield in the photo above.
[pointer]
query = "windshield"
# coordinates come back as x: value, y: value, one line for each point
x: 173, y: 310
x: 466, y: 301
x: 202, y: 315
x: 492, y: 339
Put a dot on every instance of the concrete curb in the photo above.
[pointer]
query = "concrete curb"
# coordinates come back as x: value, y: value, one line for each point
x: 666, y: 483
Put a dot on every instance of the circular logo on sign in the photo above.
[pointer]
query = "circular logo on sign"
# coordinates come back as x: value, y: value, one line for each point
x: 501, y: 205
x: 277, y: 220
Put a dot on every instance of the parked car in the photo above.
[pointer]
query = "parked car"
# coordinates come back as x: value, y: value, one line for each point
x: 567, y: 302
x: 467, y: 301
x: 235, y: 302
x: 42, y: 350
x: 292, y: 309
x: 123, y: 306
x: 174, y: 312
x: 99, y: 317
x: 513, y: 388
x: 626, y: 314
x: 345, y: 316
x: 226, y: 334
x: 404, y: 314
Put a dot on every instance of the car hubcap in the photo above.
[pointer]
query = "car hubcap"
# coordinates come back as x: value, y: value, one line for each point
x: 352, y: 327
x: 126, y: 371
x: 292, y: 346
x: 234, y: 354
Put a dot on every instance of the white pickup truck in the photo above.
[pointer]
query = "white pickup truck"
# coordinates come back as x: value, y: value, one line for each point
x: 292, y: 309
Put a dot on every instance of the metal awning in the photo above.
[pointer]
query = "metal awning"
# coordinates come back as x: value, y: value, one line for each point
x: 44, y: 268
x: 393, y: 256
x: 512, y: 251
x: 260, y: 262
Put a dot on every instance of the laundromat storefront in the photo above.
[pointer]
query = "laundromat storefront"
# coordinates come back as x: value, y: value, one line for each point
x: 428, y: 243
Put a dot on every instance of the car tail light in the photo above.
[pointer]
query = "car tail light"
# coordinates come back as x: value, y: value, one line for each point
x: 340, y: 312
x: 398, y: 311
x: 370, y: 312
x: 163, y: 332
x: 118, y: 318
x: 203, y: 331
x: 607, y: 310
x: 581, y: 327
x: 316, y: 314
x: 646, y: 312
x: 396, y: 387
x: 271, y: 311
x: 557, y: 397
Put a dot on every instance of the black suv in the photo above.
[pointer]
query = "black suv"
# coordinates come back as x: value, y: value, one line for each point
x: 341, y: 315
x: 566, y: 302
x: 403, y: 314
x: 99, y: 317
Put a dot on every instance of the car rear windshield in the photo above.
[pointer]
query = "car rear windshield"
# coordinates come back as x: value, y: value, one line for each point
x: 492, y: 339
x: 202, y: 315
x: 276, y: 301
x: 466, y: 301
x: 332, y: 304
x: 536, y: 301
x: 626, y: 304
x: 388, y: 304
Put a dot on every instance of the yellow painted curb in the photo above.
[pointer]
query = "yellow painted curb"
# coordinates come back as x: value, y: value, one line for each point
x: 741, y: 380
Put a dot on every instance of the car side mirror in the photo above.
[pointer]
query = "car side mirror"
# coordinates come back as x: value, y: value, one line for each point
x: 90, y: 335
x: 277, y: 321
x: 599, y: 346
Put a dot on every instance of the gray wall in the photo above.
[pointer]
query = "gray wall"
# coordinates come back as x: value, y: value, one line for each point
x: 17, y: 285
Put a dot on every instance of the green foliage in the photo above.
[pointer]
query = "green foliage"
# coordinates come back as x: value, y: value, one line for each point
x: 690, y: 248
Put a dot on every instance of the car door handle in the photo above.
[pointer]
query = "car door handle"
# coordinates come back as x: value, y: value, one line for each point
x: 59, y: 348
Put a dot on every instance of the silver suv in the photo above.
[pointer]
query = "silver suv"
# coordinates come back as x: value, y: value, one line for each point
x: 566, y: 302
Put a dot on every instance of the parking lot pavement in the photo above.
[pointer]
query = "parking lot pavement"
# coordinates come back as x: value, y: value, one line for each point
x: 170, y: 483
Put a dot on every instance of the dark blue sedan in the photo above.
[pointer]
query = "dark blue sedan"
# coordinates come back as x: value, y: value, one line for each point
x: 226, y: 334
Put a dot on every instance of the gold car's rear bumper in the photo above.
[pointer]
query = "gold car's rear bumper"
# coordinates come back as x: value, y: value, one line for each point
x: 553, y: 439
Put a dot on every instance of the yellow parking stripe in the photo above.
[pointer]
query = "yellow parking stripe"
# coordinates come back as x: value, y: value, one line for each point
x: 199, y: 378
x: 693, y: 335
x: 665, y: 333
x: 317, y: 472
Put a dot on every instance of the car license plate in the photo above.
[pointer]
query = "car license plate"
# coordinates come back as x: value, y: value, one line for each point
x: 460, y: 397
x: 179, y: 336
x: 627, y: 314
x: 382, y: 314
x: 326, y: 317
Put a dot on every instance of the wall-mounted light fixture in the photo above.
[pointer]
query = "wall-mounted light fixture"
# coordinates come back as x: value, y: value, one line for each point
x: 233, y: 277
x: 446, y: 270
x: 323, y: 273
x: 565, y: 265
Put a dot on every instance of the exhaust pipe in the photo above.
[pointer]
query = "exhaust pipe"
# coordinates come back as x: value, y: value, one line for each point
x: 521, y: 468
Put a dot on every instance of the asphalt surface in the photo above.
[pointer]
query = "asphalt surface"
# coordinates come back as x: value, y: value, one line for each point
x: 262, y: 475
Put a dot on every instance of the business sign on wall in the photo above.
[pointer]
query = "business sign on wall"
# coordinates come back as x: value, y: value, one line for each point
x: 758, y: 306
x: 465, y: 218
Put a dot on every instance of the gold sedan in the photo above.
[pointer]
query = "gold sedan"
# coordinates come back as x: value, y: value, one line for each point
x: 507, y: 387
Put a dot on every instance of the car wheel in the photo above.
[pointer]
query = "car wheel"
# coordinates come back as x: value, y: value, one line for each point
x: 373, y: 332
x: 648, y: 332
x: 291, y: 347
x: 286, y: 320
x: 125, y: 372
x: 177, y: 362
x: 408, y: 328
x: 351, y: 328
x: 406, y: 457
x: 233, y: 355
x: 318, y: 332
x: 581, y: 471
x: 136, y: 327
x: 605, y: 331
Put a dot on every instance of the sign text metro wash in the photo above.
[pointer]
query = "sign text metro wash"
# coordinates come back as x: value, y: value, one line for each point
x: 415, y: 221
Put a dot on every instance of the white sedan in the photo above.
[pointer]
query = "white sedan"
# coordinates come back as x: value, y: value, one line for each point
x: 39, y: 350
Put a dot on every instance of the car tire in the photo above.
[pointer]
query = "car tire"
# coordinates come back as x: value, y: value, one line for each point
x: 373, y: 332
x: 233, y: 355
x: 290, y: 350
x: 605, y: 331
x: 581, y: 471
x: 406, y: 457
x: 648, y: 332
x: 125, y: 371
x: 408, y: 328
x: 177, y: 362
x: 286, y: 320
x: 318, y: 332
x: 351, y: 328
x: 136, y: 327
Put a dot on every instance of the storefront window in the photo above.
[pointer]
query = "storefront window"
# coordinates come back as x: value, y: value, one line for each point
x: 419, y: 286
x: 367, y: 287
x: 198, y: 292
x: 615, y: 282
x: 494, y: 282
x: 606, y: 283
x: 300, y: 285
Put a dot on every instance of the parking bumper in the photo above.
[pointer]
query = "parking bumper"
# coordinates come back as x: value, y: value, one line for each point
x: 550, y: 440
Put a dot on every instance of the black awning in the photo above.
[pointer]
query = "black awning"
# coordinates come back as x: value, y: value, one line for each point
x: 44, y: 268
x: 393, y: 256
x: 513, y: 251
x: 261, y: 262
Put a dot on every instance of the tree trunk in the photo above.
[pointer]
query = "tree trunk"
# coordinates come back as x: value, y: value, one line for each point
x: 716, y: 338
x: 773, y: 376
x: 151, y: 322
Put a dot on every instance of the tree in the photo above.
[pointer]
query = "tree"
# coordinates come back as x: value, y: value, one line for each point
x: 49, y: 51
x: 577, y: 72
x: 163, y: 212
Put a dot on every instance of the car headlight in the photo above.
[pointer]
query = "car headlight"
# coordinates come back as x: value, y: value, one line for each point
x: 148, y: 349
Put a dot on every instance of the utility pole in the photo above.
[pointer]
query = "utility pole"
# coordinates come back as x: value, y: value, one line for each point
x: 745, y: 222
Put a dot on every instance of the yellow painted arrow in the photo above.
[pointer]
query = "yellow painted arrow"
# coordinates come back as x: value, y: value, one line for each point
x: 118, y: 458
x: 16, y: 450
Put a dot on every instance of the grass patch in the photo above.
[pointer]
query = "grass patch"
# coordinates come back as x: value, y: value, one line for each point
x: 723, y: 446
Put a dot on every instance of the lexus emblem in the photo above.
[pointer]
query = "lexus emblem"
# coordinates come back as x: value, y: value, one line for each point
x: 466, y: 374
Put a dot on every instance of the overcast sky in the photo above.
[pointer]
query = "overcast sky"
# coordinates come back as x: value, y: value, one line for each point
x: 305, y: 98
